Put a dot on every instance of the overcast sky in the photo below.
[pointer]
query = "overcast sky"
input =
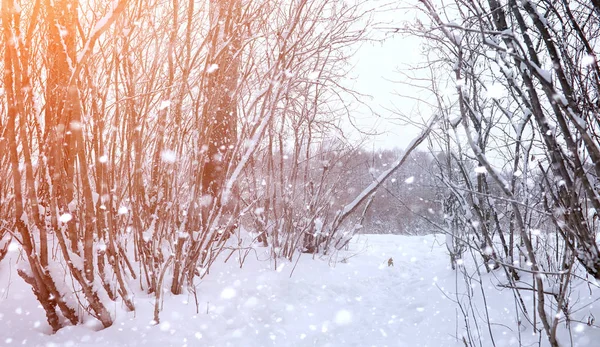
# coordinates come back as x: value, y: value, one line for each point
x: 376, y: 67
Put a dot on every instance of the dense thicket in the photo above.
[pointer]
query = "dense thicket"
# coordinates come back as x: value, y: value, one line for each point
x: 137, y: 136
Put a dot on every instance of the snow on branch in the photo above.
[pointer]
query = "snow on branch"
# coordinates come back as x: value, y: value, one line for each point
x: 352, y: 206
x: 251, y: 148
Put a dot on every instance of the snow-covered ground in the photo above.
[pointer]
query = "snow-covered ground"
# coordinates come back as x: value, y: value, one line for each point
x: 353, y: 299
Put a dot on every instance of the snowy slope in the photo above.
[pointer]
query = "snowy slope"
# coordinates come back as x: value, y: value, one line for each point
x: 355, y: 299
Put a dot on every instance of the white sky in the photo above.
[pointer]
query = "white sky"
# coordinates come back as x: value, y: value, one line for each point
x: 376, y: 67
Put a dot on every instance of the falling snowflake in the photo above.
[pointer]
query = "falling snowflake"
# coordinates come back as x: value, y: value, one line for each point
x: 65, y: 217
x: 588, y: 60
x: 212, y: 68
x: 228, y: 293
x: 343, y: 317
x: 168, y: 156
x: 205, y: 200
x: 164, y: 326
x: 164, y: 104
x: 74, y: 125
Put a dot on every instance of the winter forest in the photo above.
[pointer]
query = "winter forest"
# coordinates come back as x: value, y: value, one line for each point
x: 194, y: 173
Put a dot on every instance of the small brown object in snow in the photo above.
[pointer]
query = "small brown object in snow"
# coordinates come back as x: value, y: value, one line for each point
x: 390, y: 262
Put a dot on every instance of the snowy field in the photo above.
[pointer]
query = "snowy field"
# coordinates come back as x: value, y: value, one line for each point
x: 354, y: 299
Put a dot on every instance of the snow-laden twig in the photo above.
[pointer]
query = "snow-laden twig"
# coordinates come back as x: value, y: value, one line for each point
x: 360, y: 198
